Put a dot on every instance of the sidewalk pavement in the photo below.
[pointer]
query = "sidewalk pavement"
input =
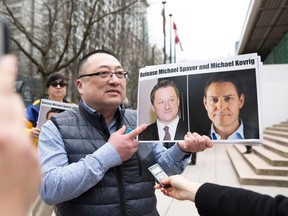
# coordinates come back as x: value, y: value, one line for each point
x: 213, y: 165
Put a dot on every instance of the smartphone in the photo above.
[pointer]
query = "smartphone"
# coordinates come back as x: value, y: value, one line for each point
x: 158, y: 173
x: 4, y: 36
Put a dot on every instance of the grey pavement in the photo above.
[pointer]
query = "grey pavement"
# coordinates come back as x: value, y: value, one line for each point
x: 213, y: 165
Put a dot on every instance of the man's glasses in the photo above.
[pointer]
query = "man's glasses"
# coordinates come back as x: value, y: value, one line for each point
x: 61, y: 84
x: 106, y: 74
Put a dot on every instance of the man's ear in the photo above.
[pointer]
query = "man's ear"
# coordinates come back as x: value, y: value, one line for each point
x: 241, y: 100
x: 205, y: 102
x: 79, y: 85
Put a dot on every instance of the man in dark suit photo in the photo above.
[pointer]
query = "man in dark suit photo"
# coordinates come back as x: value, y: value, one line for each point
x: 223, y: 100
x: 165, y: 101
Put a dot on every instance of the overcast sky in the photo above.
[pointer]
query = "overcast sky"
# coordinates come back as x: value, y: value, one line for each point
x: 207, y: 28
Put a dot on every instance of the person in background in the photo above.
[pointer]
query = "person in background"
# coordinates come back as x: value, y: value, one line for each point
x: 217, y: 200
x: 19, y: 166
x: 223, y: 99
x: 92, y: 164
x: 56, y: 85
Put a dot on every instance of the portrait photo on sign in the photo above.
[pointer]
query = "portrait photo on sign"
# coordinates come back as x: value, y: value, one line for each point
x: 226, y: 106
x: 163, y: 108
x: 49, y: 108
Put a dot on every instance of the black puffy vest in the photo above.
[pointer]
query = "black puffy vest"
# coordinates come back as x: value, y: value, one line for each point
x: 125, y: 190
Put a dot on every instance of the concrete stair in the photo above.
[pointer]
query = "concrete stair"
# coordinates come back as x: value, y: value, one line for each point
x: 267, y: 165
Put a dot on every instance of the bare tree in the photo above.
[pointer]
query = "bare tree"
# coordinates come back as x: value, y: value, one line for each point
x: 60, y: 33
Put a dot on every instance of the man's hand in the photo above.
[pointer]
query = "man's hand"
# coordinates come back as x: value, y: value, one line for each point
x: 126, y: 144
x: 193, y: 142
x: 19, y: 167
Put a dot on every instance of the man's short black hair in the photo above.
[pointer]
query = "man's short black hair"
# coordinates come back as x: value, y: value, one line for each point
x: 225, y: 77
x: 86, y: 56
x: 56, y: 76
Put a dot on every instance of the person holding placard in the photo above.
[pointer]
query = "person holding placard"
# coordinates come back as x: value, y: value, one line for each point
x: 92, y: 164
x: 56, y: 85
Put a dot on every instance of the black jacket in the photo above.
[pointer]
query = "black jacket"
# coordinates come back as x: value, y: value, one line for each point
x: 216, y: 200
x: 151, y: 132
x: 125, y: 190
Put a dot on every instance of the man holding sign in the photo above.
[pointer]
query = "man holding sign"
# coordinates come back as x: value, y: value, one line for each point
x: 91, y: 164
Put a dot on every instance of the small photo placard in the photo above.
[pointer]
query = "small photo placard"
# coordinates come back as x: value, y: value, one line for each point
x: 48, y: 108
